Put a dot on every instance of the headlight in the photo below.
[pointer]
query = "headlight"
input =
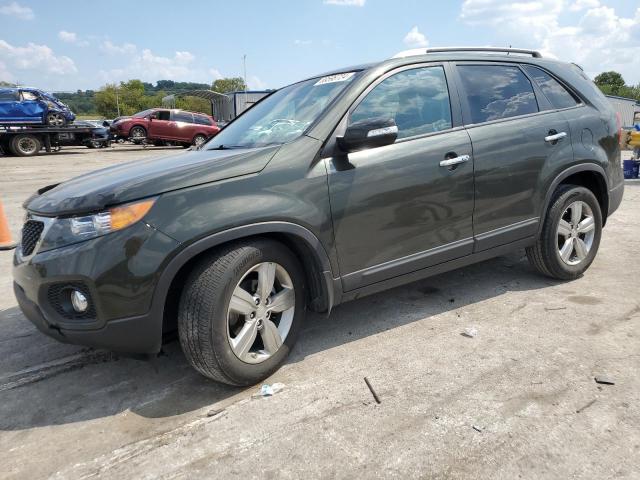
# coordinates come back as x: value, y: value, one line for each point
x: 66, y: 231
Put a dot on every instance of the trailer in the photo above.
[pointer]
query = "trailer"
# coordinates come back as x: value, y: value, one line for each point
x: 27, y: 141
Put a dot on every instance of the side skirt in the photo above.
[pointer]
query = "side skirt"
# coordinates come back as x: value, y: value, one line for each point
x: 435, y: 270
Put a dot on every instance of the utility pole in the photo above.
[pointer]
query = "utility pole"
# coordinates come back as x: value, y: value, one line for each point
x: 244, y: 67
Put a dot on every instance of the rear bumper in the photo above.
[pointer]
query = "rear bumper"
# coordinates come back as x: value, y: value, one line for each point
x: 126, y: 335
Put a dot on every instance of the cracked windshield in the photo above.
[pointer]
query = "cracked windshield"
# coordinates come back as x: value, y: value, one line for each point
x: 284, y: 115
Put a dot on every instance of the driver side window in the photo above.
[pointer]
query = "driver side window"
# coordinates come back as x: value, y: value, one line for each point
x: 29, y: 96
x: 417, y: 100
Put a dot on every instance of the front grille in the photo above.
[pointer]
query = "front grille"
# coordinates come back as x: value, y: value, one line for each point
x: 59, y: 296
x: 31, y: 232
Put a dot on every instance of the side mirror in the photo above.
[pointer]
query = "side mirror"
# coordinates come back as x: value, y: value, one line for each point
x: 368, y: 133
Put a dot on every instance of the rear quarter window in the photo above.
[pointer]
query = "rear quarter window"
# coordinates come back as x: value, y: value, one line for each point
x: 557, y: 94
x: 202, y: 120
x: 495, y: 92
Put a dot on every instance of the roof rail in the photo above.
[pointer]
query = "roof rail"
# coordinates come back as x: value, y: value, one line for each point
x: 424, y: 51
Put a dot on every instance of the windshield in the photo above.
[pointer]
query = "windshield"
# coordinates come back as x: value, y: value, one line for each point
x: 144, y: 113
x: 284, y: 115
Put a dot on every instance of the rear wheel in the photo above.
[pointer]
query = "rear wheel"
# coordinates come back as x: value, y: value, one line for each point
x: 25, y: 145
x: 241, y: 311
x: 570, y: 235
x: 56, y: 119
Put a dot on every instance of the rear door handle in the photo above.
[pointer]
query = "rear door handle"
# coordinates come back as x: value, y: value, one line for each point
x: 449, y: 162
x: 554, y: 137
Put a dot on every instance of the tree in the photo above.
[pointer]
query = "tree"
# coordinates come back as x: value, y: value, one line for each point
x: 610, y: 82
x: 226, y: 85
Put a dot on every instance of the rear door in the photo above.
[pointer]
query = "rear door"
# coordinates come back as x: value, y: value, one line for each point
x: 515, y: 141
x: 185, y: 126
x: 395, y: 208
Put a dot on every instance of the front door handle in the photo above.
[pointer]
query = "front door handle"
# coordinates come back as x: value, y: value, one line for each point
x: 450, y: 162
x: 554, y: 137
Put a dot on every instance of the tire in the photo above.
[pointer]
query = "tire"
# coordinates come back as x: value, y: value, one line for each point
x: 199, y: 140
x: 25, y: 145
x: 138, y: 134
x: 546, y: 255
x: 207, y: 324
x: 56, y: 119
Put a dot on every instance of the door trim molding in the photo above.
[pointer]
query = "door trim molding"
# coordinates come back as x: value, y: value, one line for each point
x: 507, y: 234
x: 407, y: 264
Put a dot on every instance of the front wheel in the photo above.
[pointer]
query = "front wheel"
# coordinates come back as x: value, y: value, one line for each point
x: 570, y: 235
x: 241, y: 310
x: 138, y: 134
x: 199, y: 140
x: 25, y: 145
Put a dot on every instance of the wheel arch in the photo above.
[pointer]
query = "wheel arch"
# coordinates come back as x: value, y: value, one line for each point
x: 301, y: 241
x: 589, y: 175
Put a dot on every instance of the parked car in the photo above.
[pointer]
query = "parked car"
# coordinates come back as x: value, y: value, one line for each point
x: 330, y: 189
x: 159, y: 124
x: 31, y: 106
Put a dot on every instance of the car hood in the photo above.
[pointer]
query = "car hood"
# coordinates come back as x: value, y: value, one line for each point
x: 145, y: 178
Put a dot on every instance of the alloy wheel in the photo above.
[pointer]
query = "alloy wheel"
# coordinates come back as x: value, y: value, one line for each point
x: 260, y: 312
x: 576, y: 231
x: 55, y: 119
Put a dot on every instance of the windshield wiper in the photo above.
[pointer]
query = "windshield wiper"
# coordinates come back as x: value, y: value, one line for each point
x: 227, y: 147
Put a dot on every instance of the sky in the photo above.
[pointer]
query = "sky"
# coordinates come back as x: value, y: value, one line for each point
x: 65, y: 45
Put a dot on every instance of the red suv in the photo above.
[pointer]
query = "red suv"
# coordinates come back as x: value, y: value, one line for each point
x: 155, y: 124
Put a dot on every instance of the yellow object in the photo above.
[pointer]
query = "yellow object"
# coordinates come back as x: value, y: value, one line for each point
x: 125, y: 215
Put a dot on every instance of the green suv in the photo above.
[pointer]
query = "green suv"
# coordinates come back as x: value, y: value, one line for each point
x: 327, y: 190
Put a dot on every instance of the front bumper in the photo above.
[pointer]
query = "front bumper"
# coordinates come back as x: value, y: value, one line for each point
x: 118, y: 271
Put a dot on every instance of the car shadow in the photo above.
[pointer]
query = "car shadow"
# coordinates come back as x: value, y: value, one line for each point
x: 43, y: 382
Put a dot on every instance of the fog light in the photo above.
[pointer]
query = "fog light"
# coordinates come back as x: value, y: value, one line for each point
x: 79, y: 301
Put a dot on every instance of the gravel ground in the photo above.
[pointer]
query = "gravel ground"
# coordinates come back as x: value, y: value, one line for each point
x: 519, y: 400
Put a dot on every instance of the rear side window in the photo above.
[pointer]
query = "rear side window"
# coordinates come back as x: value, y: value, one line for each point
x: 8, y: 96
x: 552, y: 89
x: 183, y: 117
x: 497, y: 91
x: 200, y: 120
x: 417, y: 99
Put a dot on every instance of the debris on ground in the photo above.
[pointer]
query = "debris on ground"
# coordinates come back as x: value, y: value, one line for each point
x: 216, y: 413
x: 581, y: 409
x: 604, y: 380
x: 373, y: 392
x: 469, y: 332
x: 553, y: 309
x: 269, y: 390
x: 476, y: 428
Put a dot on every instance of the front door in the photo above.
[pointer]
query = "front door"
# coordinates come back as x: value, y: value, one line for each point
x: 162, y: 126
x: 398, y: 208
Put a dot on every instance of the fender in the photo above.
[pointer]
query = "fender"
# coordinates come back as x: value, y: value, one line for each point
x: 327, y: 283
x: 583, y: 167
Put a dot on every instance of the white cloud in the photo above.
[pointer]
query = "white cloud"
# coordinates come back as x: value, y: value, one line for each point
x: 583, y: 4
x: 68, y: 37
x: 345, y: 3
x: 113, y: 49
x: 592, y: 35
x: 254, y: 83
x: 302, y: 42
x: 414, y: 38
x: 39, y: 58
x: 215, y: 73
x: 14, y: 9
x: 147, y: 66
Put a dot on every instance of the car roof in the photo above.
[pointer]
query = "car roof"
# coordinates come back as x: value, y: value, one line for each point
x: 178, y: 110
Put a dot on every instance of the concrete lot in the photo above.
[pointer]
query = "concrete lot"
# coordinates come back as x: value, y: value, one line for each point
x: 517, y: 401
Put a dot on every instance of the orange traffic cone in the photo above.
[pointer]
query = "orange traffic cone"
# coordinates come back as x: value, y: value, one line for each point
x: 5, y: 235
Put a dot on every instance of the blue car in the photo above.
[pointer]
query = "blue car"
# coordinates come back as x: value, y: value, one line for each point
x: 31, y: 106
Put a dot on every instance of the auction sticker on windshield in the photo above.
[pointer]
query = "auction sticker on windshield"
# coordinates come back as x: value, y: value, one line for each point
x: 339, y: 77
